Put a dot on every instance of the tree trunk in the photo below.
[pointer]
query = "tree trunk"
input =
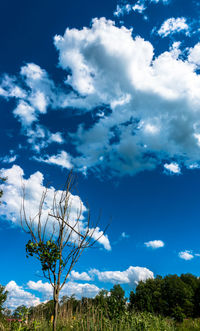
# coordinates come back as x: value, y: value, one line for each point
x: 55, y: 314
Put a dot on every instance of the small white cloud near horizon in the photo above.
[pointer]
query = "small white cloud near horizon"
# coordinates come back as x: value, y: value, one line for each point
x: 186, y: 255
x: 173, y: 25
x: 154, y: 244
x: 172, y: 168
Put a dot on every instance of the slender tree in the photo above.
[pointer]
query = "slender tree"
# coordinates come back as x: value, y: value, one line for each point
x: 57, y: 240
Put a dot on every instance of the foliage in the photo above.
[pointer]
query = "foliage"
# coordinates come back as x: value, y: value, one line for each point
x: 173, y: 296
x: 3, y: 297
x: 21, y: 312
x: 116, y: 302
x: 93, y: 320
x: 48, y: 253
x: 108, y: 311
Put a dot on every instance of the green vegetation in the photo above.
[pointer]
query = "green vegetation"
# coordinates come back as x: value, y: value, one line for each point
x: 161, y: 304
x: 177, y: 297
x: 3, y: 297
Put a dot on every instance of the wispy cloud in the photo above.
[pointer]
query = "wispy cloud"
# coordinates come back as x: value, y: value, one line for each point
x: 8, y: 158
x: 124, y: 235
x: 173, y: 25
x: 124, y: 8
x: 121, y: 10
x: 62, y: 159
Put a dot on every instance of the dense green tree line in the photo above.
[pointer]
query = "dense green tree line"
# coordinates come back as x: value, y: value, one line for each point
x: 173, y: 296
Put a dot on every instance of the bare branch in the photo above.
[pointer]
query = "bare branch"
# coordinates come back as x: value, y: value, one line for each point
x: 57, y: 240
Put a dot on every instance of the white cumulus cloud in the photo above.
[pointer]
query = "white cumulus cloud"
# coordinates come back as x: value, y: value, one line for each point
x: 11, y: 201
x: 131, y: 276
x: 70, y: 288
x: 194, y: 55
x: 75, y: 275
x: 153, y: 101
x: 186, y: 255
x: 154, y: 244
x: 172, y: 168
x: 17, y: 296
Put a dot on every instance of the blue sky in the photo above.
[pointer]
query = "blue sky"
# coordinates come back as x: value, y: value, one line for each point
x: 111, y: 89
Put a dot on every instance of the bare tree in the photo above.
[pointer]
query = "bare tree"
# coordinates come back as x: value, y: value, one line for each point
x: 57, y: 240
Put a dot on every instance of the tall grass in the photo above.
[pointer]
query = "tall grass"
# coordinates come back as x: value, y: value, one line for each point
x: 89, y: 318
x: 96, y: 321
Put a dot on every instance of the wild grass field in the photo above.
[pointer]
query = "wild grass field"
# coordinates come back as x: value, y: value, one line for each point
x: 95, y: 321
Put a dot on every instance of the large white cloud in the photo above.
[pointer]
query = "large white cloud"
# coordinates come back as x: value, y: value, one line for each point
x: 153, y: 102
x: 12, y: 198
x: 131, y: 276
x: 17, y: 296
x: 70, y: 288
